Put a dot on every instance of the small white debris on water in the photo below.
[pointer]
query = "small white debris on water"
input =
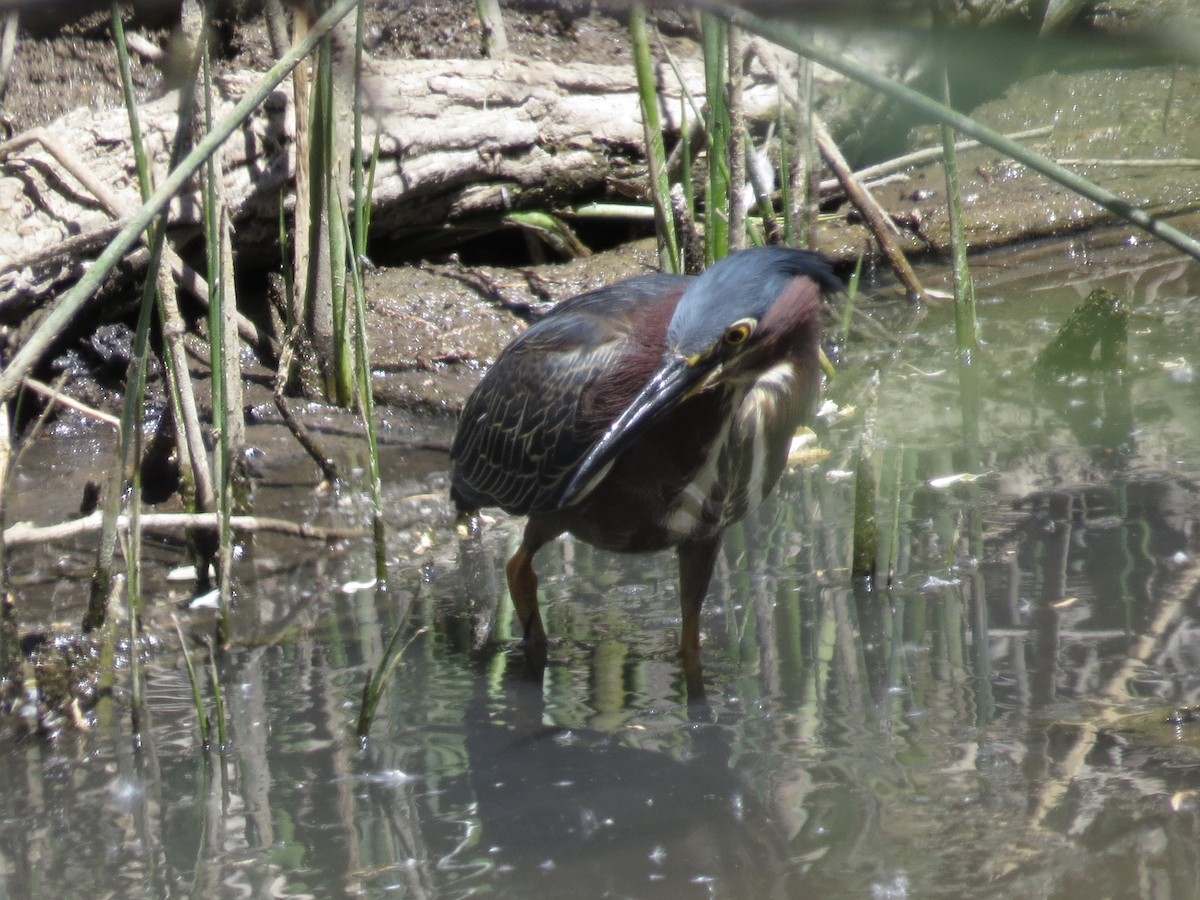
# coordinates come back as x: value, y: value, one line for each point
x: 206, y: 601
x: 1181, y: 371
x: 946, y: 481
x: 830, y: 411
x: 187, y: 573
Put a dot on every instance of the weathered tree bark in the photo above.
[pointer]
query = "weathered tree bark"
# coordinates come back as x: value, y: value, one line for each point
x: 457, y: 148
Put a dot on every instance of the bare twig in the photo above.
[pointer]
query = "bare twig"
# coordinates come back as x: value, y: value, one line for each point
x: 324, y: 461
x: 144, y: 47
x: 27, y: 533
x: 68, y: 161
x: 691, y: 243
x: 877, y: 220
x: 193, y: 455
x: 924, y: 155
x: 1175, y: 163
x: 56, y: 396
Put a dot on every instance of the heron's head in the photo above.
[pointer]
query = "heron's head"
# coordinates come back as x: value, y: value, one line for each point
x: 742, y: 316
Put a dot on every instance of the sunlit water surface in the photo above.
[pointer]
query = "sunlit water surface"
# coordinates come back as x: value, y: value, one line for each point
x: 963, y: 731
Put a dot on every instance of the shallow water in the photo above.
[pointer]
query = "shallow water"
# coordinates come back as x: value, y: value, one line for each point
x: 962, y: 731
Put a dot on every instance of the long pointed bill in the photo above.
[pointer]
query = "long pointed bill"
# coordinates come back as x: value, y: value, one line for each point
x: 674, y: 381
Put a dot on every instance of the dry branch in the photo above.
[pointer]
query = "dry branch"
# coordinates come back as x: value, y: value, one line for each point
x: 27, y: 533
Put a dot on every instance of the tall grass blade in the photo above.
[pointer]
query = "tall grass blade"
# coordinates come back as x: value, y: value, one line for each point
x: 366, y: 406
x: 218, y: 699
x: 133, y: 541
x: 213, y: 216
x: 125, y: 465
x: 656, y: 155
x: 716, y: 127
x: 193, y: 678
x: 851, y: 297
x: 865, y: 551
x: 362, y: 187
x: 377, y: 680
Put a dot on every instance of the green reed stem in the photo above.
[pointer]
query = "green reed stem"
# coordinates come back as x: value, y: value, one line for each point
x: 378, y: 680
x: 197, y: 695
x: 214, y: 677
x: 362, y: 199
x: 222, y: 459
x: 865, y: 551
x: 366, y: 405
x: 362, y: 215
x: 131, y: 414
x: 133, y: 548
x: 656, y: 154
x: 716, y: 127
x: 851, y: 298
x: 966, y: 324
x: 338, y: 238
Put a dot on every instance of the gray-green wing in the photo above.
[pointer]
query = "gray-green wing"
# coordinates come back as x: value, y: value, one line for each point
x: 553, y: 392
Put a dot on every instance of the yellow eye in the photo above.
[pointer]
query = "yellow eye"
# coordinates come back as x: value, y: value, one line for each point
x: 739, y: 332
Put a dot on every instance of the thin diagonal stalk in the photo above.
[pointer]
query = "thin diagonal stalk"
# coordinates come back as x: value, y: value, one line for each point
x: 366, y: 404
x: 377, y: 680
x: 966, y: 326
x: 214, y: 677
x: 656, y: 155
x: 130, y: 431
x: 197, y: 696
x: 133, y: 549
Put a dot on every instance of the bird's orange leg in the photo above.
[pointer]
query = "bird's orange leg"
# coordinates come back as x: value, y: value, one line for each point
x: 522, y: 586
x: 696, y: 560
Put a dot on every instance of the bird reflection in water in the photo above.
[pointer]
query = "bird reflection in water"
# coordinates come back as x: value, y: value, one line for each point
x: 575, y: 812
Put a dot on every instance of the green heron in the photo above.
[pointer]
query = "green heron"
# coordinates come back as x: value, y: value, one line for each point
x: 647, y: 414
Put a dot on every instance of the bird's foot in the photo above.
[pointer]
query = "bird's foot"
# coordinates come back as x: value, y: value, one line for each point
x: 535, y: 652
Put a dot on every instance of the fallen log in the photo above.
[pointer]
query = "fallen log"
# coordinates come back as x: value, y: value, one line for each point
x: 461, y: 145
